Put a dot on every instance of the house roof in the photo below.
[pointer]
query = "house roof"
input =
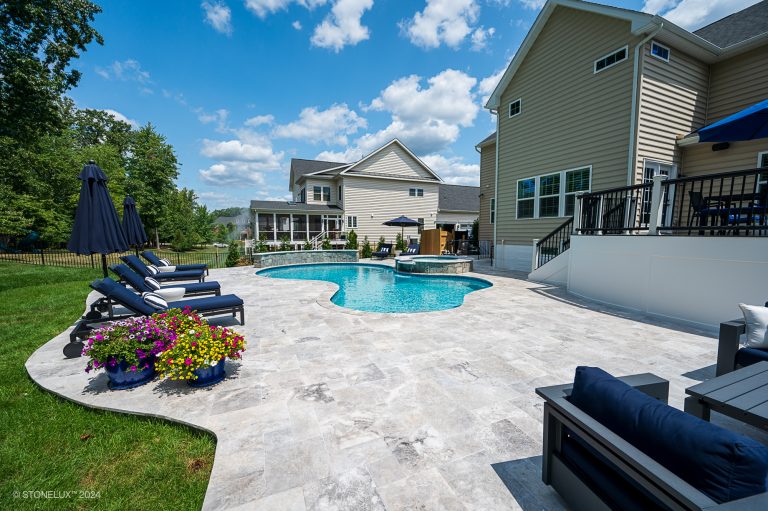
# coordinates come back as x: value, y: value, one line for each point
x: 487, y: 140
x: 301, y: 167
x: 640, y: 24
x: 458, y: 198
x: 737, y: 27
x: 274, y: 205
x: 394, y: 141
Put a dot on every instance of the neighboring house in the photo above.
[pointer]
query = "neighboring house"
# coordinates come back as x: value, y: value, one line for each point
x: 333, y: 198
x: 240, y: 225
x: 599, y: 97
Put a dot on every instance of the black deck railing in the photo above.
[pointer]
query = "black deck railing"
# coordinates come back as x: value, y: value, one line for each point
x: 63, y: 258
x: 623, y: 210
x: 554, y: 243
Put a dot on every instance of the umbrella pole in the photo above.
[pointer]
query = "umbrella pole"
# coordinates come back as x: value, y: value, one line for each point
x: 104, y: 265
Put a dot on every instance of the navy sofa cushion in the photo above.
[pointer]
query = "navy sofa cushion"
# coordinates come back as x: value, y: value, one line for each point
x: 748, y: 356
x: 724, y: 465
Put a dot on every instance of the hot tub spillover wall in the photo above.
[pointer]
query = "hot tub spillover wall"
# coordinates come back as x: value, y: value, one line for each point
x: 433, y: 264
x: 269, y: 259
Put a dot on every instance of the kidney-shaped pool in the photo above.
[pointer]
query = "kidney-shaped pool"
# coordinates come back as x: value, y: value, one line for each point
x: 376, y: 288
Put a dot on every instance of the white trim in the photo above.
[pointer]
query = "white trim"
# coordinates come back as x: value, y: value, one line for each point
x: 496, y: 184
x: 625, y: 48
x: 759, y: 159
x: 561, y: 192
x: 520, y: 110
x: 318, y: 172
x: 421, y: 181
x: 669, y: 51
x: 402, y: 146
x: 688, y: 140
x: 535, y: 195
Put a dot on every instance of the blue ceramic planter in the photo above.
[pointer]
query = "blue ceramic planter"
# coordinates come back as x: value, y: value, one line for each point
x: 208, y: 375
x: 121, y: 377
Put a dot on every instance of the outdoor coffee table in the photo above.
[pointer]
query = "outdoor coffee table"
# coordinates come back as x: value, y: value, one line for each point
x: 741, y: 394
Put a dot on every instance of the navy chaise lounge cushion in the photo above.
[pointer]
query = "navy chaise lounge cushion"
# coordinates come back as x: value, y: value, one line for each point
x: 724, y: 465
x: 136, y: 281
x: 208, y: 304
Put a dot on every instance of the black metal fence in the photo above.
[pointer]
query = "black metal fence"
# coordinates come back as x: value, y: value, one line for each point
x: 54, y: 257
x: 554, y: 243
x: 624, y: 210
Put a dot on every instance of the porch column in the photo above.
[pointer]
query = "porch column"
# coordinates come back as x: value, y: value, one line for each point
x: 290, y: 220
x: 657, y: 204
x: 256, y: 226
x: 307, y: 218
x: 274, y: 226
x: 577, y: 213
x: 535, y: 256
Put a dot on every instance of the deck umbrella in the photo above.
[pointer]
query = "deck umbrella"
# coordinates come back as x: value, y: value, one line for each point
x: 97, y: 228
x: 748, y: 124
x: 402, y: 222
x: 132, y: 226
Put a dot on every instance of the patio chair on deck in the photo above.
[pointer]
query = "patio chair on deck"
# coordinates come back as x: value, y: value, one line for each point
x: 384, y: 252
x: 139, y: 283
x: 139, y: 267
x: 153, y: 259
x: 413, y: 249
x: 730, y: 354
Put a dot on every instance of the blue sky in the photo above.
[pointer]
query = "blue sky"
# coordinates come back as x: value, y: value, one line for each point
x: 239, y: 87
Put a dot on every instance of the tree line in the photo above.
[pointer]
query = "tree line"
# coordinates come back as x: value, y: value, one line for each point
x: 45, y: 139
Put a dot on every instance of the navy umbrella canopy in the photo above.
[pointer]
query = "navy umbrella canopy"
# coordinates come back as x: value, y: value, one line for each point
x: 132, y: 226
x: 748, y: 124
x: 97, y: 227
x: 402, y: 222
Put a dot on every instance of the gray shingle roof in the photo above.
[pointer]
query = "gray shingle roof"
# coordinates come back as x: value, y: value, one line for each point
x: 459, y: 198
x: 489, y: 138
x: 274, y: 205
x: 737, y: 27
x: 301, y: 167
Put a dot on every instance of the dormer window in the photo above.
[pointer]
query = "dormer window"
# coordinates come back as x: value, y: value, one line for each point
x: 611, y: 59
x: 516, y: 107
x: 660, y: 51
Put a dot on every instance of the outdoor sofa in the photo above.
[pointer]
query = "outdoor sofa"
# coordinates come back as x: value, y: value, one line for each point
x: 614, y: 443
x: 153, y: 259
x: 730, y: 354
x: 384, y: 251
x: 138, y: 283
x: 142, y: 269
x: 211, y: 306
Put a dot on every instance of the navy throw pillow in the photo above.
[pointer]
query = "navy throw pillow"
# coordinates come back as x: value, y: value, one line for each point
x: 720, y: 463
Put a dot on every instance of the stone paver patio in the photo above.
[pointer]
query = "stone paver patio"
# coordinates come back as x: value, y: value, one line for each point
x: 337, y: 409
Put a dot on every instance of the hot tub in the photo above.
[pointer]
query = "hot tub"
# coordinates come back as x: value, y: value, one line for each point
x: 433, y: 264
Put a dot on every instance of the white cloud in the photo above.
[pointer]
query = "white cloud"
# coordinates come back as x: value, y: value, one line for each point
x: 258, y: 154
x: 480, y: 37
x: 120, y: 117
x: 442, y: 21
x: 331, y: 126
x: 232, y: 173
x: 125, y: 71
x: 342, y: 26
x: 488, y: 84
x: 694, y: 14
x: 219, y: 16
x: 262, y: 8
x: 220, y: 117
x: 533, y: 4
x: 453, y: 170
x: 297, y: 25
x: 259, y: 120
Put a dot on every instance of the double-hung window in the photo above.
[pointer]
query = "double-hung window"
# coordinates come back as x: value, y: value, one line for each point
x: 551, y: 195
x: 575, y: 181
x: 526, y: 198
x: 416, y: 192
x: 321, y: 193
x: 352, y: 222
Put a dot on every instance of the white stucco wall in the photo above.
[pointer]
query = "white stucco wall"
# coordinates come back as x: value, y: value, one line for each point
x: 513, y: 257
x: 696, y: 279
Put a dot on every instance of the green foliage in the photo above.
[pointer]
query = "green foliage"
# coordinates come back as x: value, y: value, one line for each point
x: 326, y: 245
x: 351, y: 240
x: 261, y: 244
x: 366, y: 251
x: 380, y: 243
x: 307, y: 245
x: 227, y: 212
x: 285, y: 243
x: 399, y: 242
x: 476, y: 230
x: 233, y: 255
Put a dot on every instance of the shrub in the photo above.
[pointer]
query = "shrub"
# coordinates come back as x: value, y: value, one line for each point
x: 367, y: 251
x: 399, y: 242
x: 285, y: 243
x: 352, y: 240
x: 261, y: 245
x: 380, y: 244
x: 326, y: 244
x: 233, y: 255
x: 307, y: 245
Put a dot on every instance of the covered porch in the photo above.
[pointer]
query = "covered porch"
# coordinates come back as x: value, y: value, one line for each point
x: 295, y: 224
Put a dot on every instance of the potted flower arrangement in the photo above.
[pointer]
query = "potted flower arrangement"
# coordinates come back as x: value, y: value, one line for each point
x: 198, y: 352
x: 126, y: 350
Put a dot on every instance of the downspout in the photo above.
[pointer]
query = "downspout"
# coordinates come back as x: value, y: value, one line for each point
x: 496, y: 189
x: 635, y: 101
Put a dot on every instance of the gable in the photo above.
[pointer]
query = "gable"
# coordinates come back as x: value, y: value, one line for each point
x: 391, y: 161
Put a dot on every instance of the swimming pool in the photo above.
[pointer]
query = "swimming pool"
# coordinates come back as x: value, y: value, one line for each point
x: 376, y: 288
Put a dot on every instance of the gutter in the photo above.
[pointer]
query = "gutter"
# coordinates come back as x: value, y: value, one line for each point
x: 635, y: 103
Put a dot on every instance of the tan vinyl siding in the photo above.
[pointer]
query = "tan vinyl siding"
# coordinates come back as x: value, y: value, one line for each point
x: 487, y: 189
x: 393, y: 160
x: 374, y: 201
x: 456, y: 217
x: 700, y: 159
x: 571, y: 117
x: 673, y: 102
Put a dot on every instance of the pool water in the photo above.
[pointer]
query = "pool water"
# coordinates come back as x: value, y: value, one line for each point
x: 375, y: 288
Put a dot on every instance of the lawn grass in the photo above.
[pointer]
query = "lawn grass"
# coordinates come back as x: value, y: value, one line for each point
x: 49, y: 444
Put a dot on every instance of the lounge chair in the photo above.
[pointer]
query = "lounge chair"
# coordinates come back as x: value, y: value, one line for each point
x: 614, y: 443
x: 138, y: 283
x: 384, y: 251
x: 139, y: 267
x: 153, y: 259
x: 413, y: 249
x: 730, y: 354
x: 211, y: 306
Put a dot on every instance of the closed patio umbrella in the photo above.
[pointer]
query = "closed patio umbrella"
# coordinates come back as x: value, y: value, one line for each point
x: 402, y: 222
x: 97, y: 228
x: 748, y: 124
x: 132, y: 226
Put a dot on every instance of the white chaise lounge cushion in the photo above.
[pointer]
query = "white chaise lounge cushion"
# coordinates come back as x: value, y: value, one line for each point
x: 152, y: 269
x: 756, y: 318
x: 154, y: 300
x: 151, y: 283
x: 166, y: 269
x: 165, y: 262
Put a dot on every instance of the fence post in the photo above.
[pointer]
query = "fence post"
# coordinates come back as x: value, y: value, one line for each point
x: 42, y: 256
x: 217, y: 259
x: 657, y: 203
x: 577, y: 213
x: 535, y: 257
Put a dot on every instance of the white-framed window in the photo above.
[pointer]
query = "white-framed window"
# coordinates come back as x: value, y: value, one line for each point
x: 352, y: 222
x: 340, y: 196
x: 660, y: 51
x: 321, y: 193
x: 611, y: 59
x: 416, y: 192
x: 493, y: 210
x: 552, y: 195
x: 516, y: 107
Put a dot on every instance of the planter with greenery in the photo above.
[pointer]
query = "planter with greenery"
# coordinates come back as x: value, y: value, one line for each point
x: 127, y: 349
x: 198, y: 351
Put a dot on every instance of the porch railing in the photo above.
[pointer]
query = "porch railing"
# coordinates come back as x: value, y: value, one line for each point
x: 553, y: 244
x: 616, y: 211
